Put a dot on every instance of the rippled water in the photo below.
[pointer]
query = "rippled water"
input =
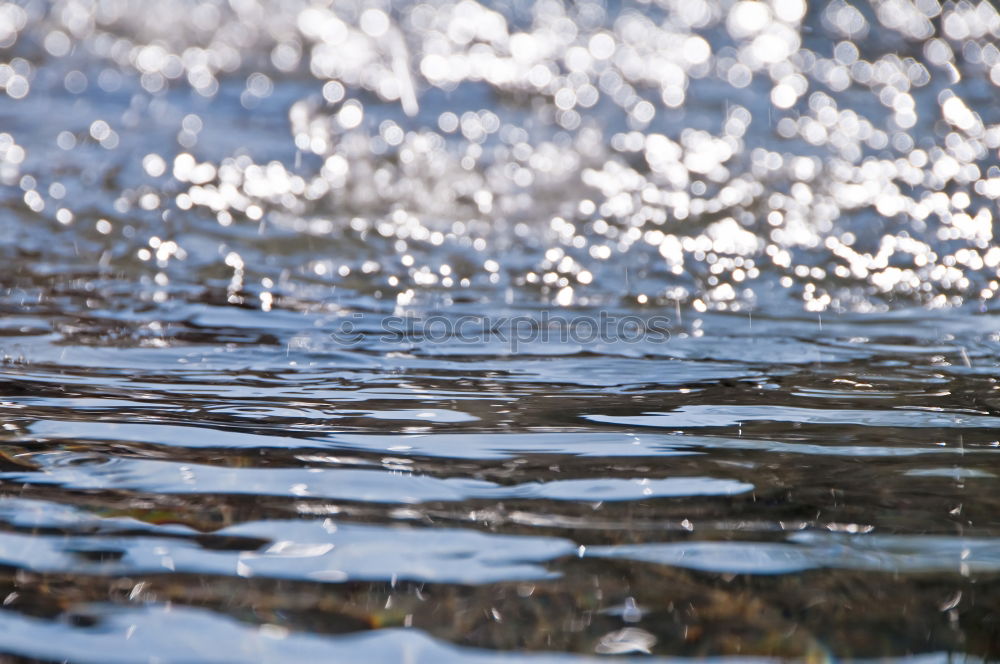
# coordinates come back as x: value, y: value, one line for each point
x: 461, y: 332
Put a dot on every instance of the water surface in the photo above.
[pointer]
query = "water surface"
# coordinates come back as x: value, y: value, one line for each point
x: 461, y: 332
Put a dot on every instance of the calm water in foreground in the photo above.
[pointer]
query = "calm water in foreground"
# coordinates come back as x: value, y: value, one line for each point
x: 518, y: 331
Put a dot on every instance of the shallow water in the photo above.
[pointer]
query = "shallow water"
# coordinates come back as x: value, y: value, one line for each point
x: 505, y: 332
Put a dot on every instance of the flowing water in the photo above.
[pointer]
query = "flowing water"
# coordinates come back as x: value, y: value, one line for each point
x: 460, y: 332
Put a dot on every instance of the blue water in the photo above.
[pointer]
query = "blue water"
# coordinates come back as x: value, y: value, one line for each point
x: 459, y: 332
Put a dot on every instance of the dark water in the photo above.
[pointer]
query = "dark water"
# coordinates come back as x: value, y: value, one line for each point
x: 512, y: 332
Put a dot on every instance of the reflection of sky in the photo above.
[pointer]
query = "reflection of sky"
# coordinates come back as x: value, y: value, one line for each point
x: 214, y: 639
x: 717, y: 147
